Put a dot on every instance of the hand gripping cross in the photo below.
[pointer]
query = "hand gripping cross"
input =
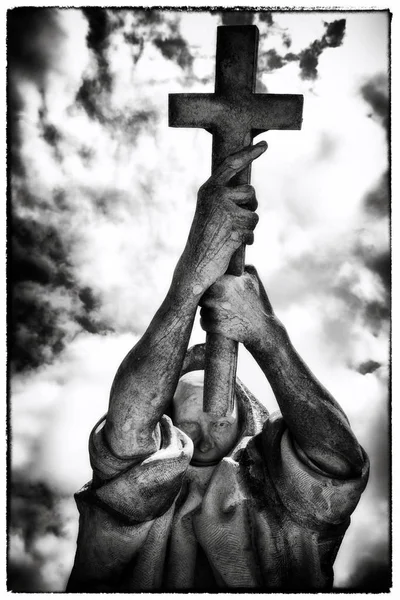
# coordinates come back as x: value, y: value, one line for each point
x: 234, y: 115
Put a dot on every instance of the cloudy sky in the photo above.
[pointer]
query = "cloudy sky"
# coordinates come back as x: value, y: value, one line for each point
x: 102, y: 196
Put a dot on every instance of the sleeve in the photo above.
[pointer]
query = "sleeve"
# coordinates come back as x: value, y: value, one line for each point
x: 314, y: 498
x: 118, y: 507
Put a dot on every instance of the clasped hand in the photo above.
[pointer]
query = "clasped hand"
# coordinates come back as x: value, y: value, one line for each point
x: 223, y: 221
x: 239, y: 309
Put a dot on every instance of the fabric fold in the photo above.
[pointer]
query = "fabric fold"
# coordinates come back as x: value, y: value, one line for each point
x: 145, y: 490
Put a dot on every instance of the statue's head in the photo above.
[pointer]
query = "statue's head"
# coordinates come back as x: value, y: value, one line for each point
x: 213, y: 437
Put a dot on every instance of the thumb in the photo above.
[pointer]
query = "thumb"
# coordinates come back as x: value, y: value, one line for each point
x: 215, y: 292
x: 252, y: 271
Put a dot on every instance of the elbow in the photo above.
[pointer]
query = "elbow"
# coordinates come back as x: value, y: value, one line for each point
x: 127, y: 443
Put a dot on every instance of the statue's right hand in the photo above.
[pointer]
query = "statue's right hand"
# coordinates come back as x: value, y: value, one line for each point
x: 221, y: 224
x: 239, y: 309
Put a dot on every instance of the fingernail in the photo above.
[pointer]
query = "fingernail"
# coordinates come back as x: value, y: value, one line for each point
x: 261, y: 146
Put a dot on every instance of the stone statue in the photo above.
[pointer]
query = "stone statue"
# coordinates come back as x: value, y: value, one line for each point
x: 183, y: 500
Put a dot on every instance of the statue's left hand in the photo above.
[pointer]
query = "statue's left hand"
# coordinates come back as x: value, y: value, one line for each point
x: 239, y: 309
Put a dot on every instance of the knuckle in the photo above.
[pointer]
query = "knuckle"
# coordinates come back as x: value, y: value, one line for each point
x: 251, y: 220
x: 249, y: 238
x: 204, y: 188
x: 235, y: 237
x: 255, y: 218
x: 250, y: 270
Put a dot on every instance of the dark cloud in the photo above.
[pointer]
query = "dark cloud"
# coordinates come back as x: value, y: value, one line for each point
x: 38, y: 253
x: 34, y: 335
x: 98, y: 39
x: 89, y: 95
x: 378, y: 261
x: 38, y: 267
x: 368, y: 366
x: 287, y: 40
x: 376, y: 201
x: 376, y: 93
x: 89, y: 301
x: 23, y: 575
x: 175, y: 49
x: 308, y: 58
x: 334, y: 34
x: 93, y: 92
x: 172, y: 45
x: 373, y: 571
x: 316, y: 271
x: 86, y: 155
x: 274, y: 60
x: 33, y: 38
x: 34, y: 512
x: 308, y: 61
x: 149, y: 27
x: 380, y: 264
x: 88, y: 319
x: 50, y: 133
x: 332, y: 38
x: 99, y: 28
x: 375, y: 314
x: 266, y: 17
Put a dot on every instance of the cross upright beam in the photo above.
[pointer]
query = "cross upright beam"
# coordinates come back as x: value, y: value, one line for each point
x: 234, y: 115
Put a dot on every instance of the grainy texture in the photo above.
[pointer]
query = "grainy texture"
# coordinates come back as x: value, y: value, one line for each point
x: 269, y: 514
x: 261, y: 519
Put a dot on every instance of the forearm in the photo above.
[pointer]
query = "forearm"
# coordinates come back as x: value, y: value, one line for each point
x: 315, y: 419
x: 146, y: 379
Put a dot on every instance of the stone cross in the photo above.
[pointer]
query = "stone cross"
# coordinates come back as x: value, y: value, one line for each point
x: 234, y: 115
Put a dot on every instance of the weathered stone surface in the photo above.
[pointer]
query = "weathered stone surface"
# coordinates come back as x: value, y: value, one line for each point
x: 234, y: 114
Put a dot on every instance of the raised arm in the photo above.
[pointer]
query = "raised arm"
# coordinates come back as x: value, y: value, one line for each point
x: 239, y: 308
x: 146, y: 380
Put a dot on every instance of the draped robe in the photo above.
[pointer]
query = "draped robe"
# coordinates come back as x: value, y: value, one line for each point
x: 264, y: 518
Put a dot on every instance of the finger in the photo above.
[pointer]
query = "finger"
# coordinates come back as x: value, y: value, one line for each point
x: 209, y: 324
x: 216, y: 291
x: 252, y: 277
x: 203, y: 312
x: 206, y: 325
x: 235, y: 163
x: 215, y: 325
x: 248, y: 238
x: 245, y: 219
x: 243, y: 195
x: 252, y: 271
x: 207, y: 301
